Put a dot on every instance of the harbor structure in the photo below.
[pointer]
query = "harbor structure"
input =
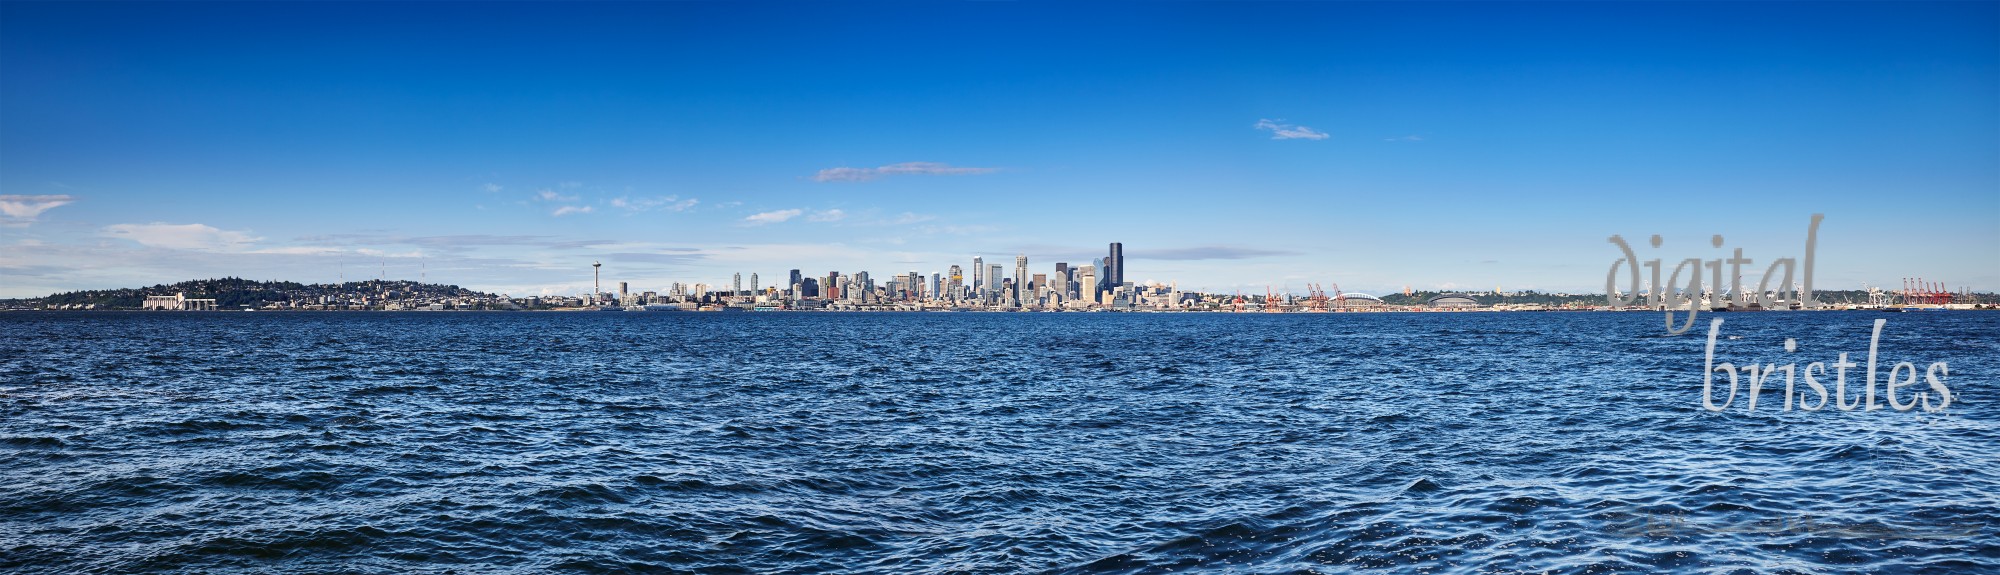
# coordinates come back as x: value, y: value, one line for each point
x: 177, y: 302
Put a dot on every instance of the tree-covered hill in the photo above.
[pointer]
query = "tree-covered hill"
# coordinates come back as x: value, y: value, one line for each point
x: 232, y: 292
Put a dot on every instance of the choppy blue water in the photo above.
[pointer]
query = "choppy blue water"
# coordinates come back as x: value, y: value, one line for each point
x: 977, y: 443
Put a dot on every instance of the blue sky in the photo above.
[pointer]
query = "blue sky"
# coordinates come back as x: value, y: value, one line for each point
x: 1230, y: 146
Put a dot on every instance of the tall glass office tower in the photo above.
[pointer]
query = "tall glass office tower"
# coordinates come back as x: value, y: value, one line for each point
x: 1114, y: 271
x: 1021, y: 293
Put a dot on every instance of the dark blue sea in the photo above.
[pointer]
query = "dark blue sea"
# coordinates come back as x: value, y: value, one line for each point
x: 983, y: 443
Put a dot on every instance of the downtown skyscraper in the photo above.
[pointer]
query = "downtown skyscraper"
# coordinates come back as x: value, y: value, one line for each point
x: 957, y: 280
x: 978, y: 274
x: 1114, y: 266
x: 1022, y: 293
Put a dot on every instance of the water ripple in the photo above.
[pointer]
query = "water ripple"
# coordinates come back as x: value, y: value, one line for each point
x: 973, y: 443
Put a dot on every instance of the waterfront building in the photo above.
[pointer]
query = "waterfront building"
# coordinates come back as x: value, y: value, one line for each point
x: 178, y: 302
x: 1114, y: 266
x: 1086, y: 282
x: 978, y: 273
x: 1100, y: 282
x: 957, y: 281
x: 1021, y: 293
x: 1355, y: 301
x: 1060, y: 281
x: 1452, y: 301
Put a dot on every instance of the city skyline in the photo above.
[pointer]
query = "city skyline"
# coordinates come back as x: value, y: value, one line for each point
x: 503, y: 147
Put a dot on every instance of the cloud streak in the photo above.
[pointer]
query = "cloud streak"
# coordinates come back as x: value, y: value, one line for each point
x: 1284, y: 131
x: 846, y: 174
x: 1205, y: 253
x: 471, y: 240
x: 669, y: 203
x: 27, y: 208
x: 180, y: 236
x: 772, y: 217
x: 657, y: 258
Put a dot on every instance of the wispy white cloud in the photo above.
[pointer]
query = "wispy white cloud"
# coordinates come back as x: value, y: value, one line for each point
x: 1280, y: 130
x: 964, y: 230
x: 772, y: 217
x: 845, y: 174
x: 334, y: 251
x: 567, y: 207
x: 1205, y: 253
x: 832, y: 215
x: 181, y: 236
x: 303, y: 250
x: 672, y: 258
x: 386, y: 254
x: 27, y: 208
x: 491, y: 188
x: 669, y: 203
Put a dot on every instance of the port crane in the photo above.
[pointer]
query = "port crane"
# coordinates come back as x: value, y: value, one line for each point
x: 1315, y: 298
x: 1917, y: 291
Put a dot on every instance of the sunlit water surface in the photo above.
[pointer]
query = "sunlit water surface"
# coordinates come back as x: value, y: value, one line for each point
x: 978, y: 443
